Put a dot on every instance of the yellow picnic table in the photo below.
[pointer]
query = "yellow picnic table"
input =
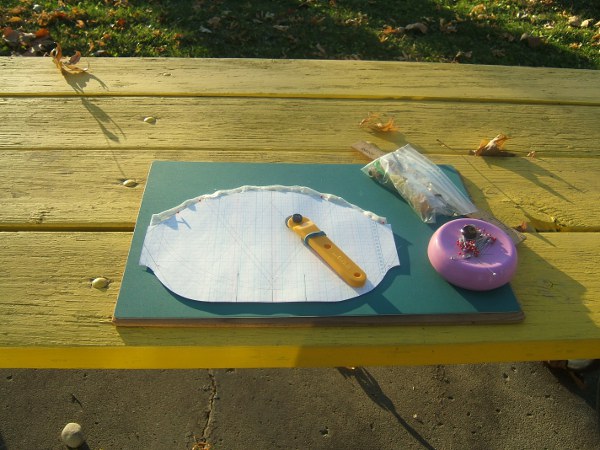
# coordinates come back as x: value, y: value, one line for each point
x: 76, y: 150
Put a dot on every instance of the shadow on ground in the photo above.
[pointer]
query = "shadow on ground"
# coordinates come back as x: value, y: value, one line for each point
x: 352, y: 30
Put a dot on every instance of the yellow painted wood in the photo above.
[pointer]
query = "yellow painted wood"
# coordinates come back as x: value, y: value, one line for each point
x: 50, y: 316
x: 301, y: 78
x: 67, y: 145
x: 88, y: 192
x: 291, y: 124
x: 283, y: 356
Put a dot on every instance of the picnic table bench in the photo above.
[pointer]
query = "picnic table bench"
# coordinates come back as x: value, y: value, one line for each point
x: 75, y: 153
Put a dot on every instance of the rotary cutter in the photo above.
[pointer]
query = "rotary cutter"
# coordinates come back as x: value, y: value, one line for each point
x: 318, y: 241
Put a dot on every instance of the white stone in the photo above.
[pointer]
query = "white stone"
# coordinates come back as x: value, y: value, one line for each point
x: 72, y: 436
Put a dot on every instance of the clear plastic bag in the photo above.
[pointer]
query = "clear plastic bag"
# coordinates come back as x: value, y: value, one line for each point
x: 421, y: 183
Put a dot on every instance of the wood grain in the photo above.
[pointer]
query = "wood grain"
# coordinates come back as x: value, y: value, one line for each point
x: 302, y: 78
x: 68, y: 144
x: 48, y: 303
x: 291, y: 124
x: 88, y: 192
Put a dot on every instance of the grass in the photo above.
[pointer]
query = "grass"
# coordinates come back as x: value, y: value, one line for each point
x: 507, y: 32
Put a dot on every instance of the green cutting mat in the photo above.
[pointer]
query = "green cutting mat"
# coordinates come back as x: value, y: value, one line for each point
x: 411, y: 293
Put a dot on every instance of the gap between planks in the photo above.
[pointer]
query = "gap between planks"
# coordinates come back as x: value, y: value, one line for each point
x: 304, y: 96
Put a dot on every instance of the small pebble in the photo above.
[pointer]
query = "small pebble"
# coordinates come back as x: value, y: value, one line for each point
x: 100, y: 283
x: 72, y: 436
x: 130, y: 183
x: 151, y: 120
x: 37, y: 8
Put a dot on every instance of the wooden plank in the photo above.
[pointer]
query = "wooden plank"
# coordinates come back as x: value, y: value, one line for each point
x: 50, y: 316
x: 295, y: 124
x: 88, y: 192
x: 302, y: 78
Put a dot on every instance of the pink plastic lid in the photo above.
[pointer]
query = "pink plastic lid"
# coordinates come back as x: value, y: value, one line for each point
x: 482, y: 263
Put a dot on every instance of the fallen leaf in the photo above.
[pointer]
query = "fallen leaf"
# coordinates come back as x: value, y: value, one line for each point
x: 447, y: 27
x: 214, y: 22
x: 531, y: 41
x: 531, y: 154
x: 509, y: 37
x: 11, y: 36
x: 387, y: 30
x: 574, y: 21
x: 418, y: 26
x: 59, y: 15
x: 477, y: 10
x: 379, y: 123
x: 120, y: 24
x: 463, y: 55
x: 17, y: 10
x: 75, y: 58
x: 493, y: 147
x: 15, y: 19
x: 67, y: 67
x: 42, y: 33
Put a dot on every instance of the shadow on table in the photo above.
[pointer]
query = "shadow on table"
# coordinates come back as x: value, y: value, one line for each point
x: 80, y: 81
x: 533, y: 173
x: 109, y: 128
x: 371, y: 387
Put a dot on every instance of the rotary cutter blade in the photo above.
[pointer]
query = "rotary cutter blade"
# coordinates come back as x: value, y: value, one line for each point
x: 318, y: 241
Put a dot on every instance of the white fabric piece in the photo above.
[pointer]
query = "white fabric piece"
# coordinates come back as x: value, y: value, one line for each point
x: 234, y: 246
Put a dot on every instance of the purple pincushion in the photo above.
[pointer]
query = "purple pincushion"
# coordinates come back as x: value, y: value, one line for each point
x: 473, y: 254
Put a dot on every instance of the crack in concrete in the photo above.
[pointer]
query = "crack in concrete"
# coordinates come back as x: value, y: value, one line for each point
x: 211, y: 405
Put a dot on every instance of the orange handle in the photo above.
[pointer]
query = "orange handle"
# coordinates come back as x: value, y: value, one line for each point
x: 314, y: 238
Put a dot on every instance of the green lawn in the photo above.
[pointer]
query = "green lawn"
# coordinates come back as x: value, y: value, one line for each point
x: 557, y: 33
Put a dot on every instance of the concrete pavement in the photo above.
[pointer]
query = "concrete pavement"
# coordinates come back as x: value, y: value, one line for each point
x: 492, y: 406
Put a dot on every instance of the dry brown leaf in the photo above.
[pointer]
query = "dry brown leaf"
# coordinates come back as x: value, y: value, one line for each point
x: 448, y: 27
x: 17, y: 10
x: 11, y: 36
x: 477, y: 10
x: 575, y: 21
x: 418, y: 26
x: 379, y: 123
x: 587, y: 23
x: 67, y: 67
x: 75, y: 58
x: 493, y: 147
x: 387, y: 30
x: 42, y: 33
x: 463, y: 55
x: 532, y: 41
